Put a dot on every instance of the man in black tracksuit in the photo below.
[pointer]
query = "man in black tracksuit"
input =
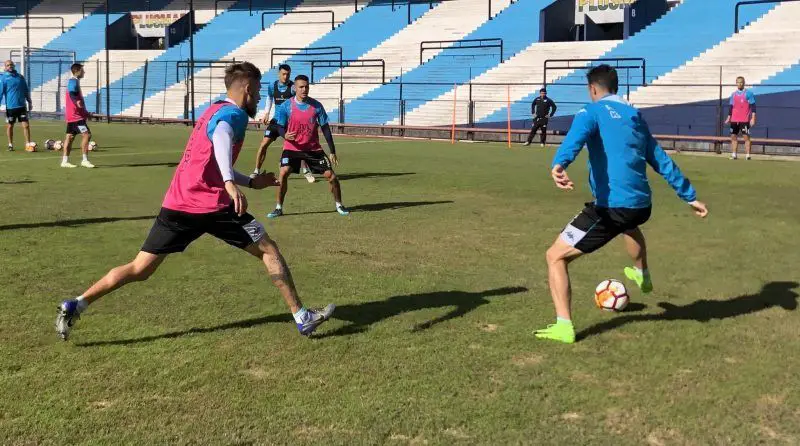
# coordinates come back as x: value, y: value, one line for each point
x: 542, y: 109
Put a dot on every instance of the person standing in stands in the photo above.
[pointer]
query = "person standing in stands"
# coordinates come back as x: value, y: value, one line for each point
x: 278, y: 92
x: 14, y: 90
x: 542, y: 109
x: 741, y: 117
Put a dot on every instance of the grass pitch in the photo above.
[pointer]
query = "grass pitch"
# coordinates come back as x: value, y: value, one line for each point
x: 439, y: 278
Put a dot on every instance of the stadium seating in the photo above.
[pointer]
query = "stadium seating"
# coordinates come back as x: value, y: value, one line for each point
x: 358, y: 34
x: 668, y: 43
x: 301, y: 30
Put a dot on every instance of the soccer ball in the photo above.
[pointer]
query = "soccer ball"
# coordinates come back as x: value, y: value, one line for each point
x: 49, y: 144
x: 611, y: 295
x: 58, y: 145
x: 31, y: 147
x: 92, y: 146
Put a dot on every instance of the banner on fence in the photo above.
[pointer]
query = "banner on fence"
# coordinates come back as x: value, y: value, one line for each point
x: 154, y: 23
x: 601, y: 11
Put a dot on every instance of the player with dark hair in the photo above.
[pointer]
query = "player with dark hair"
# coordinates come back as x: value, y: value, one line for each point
x: 542, y: 108
x: 620, y: 148
x: 741, y: 117
x: 14, y: 90
x: 278, y: 92
x: 75, y: 114
x: 204, y: 198
x: 299, y: 119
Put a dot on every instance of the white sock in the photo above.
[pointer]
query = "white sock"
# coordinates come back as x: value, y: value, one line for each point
x: 338, y: 205
x: 86, y: 157
x: 256, y: 171
x: 64, y: 159
x: 278, y: 206
x: 82, y: 304
x: 300, y: 316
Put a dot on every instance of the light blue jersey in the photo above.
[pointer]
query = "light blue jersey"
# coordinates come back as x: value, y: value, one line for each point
x: 14, y: 90
x: 620, y: 147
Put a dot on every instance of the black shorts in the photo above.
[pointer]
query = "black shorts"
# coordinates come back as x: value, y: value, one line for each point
x: 317, y: 161
x: 272, y: 130
x: 19, y: 114
x: 78, y: 127
x: 740, y: 128
x: 595, y: 226
x: 173, y: 230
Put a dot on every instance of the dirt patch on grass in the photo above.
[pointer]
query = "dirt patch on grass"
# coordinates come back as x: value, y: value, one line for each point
x: 418, y: 440
x: 257, y: 373
x: 527, y: 359
x: 101, y: 405
x: 489, y: 328
x: 456, y: 432
x: 571, y: 416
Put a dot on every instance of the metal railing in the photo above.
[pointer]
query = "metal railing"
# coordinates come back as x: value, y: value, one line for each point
x: 92, y: 5
x: 266, y: 13
x: 296, y: 54
x: 347, y: 63
x: 462, y: 44
x: 44, y: 17
x: 751, y: 2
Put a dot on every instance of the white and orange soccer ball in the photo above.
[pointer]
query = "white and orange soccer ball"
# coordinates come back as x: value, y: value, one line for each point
x: 58, y: 145
x: 611, y: 295
x: 92, y: 146
x: 31, y: 146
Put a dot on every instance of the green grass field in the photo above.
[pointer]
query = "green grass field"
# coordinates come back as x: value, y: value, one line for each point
x: 439, y: 278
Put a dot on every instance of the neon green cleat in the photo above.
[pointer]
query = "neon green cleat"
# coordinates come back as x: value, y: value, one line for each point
x: 642, y: 280
x: 557, y: 332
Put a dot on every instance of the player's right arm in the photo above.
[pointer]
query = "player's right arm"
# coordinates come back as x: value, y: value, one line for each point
x: 583, y: 126
x: 270, y: 103
x: 667, y: 168
x: 730, y: 110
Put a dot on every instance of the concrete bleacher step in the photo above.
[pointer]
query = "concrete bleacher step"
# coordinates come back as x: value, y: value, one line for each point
x: 527, y: 65
x: 209, y: 82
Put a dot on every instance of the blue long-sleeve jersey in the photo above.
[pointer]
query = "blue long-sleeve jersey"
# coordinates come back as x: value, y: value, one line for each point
x: 620, y: 147
x: 13, y: 90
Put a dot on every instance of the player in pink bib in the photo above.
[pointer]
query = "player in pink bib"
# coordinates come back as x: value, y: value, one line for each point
x: 75, y: 114
x: 741, y: 117
x: 204, y: 198
x: 299, y: 121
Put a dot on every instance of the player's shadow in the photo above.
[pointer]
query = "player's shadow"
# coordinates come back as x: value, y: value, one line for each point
x: 376, y: 207
x: 362, y: 316
x: 168, y: 164
x: 362, y: 175
x: 73, y: 223
x: 773, y: 294
x: 247, y: 323
x: 18, y: 182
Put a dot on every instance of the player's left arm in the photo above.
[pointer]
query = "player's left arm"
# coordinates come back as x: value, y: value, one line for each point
x: 751, y: 98
x: 667, y: 168
x: 553, y: 108
x: 27, y: 93
x: 324, y: 125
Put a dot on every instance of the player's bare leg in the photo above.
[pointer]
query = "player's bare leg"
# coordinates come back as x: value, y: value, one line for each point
x: 307, y: 320
x: 637, y: 248
x: 85, y: 138
x: 558, y: 258
x: 283, y: 177
x: 10, y: 135
x: 336, y: 191
x: 307, y: 172
x: 26, y: 130
x: 261, y: 155
x: 138, y: 270
x: 734, y: 146
x: 748, y: 145
x: 67, y: 149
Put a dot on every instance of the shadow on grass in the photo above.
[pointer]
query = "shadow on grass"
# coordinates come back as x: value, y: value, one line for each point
x: 377, y: 207
x: 112, y: 166
x: 362, y: 175
x: 773, y: 294
x: 360, y: 316
x: 247, y: 323
x: 72, y: 223
x: 18, y: 182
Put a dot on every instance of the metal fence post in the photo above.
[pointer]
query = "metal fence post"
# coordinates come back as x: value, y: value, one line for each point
x: 719, y: 112
x: 144, y: 88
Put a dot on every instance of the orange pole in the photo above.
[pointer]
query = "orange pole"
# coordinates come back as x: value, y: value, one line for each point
x: 508, y: 107
x: 453, y: 131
